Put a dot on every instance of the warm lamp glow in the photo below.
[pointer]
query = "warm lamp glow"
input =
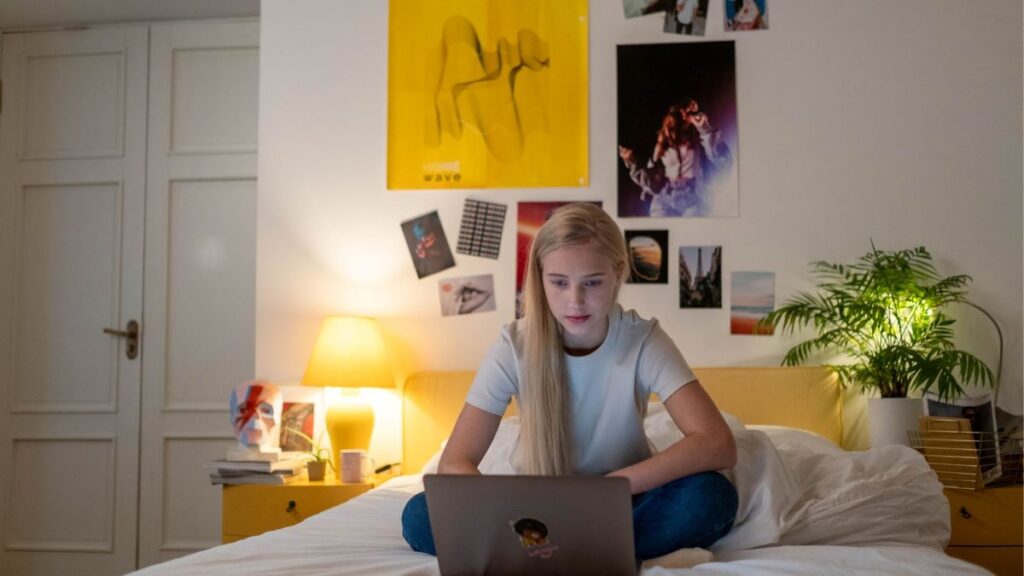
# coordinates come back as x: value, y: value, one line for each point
x: 349, y: 353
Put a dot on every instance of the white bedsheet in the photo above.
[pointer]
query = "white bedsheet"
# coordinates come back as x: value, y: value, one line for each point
x: 806, y: 507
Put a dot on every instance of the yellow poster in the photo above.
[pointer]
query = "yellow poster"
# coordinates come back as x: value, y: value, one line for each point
x: 487, y: 94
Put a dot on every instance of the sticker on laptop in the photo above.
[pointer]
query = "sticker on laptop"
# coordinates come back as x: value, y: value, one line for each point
x: 533, y: 535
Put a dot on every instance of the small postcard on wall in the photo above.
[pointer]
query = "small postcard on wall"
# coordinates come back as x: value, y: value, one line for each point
x: 467, y: 295
x: 753, y: 298
x: 743, y: 15
x: 648, y: 256
x: 481, y: 227
x: 427, y: 244
x: 700, y: 276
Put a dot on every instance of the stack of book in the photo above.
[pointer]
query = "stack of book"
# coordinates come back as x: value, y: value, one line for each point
x: 282, y: 468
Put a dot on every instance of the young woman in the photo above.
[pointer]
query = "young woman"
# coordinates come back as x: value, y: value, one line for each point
x: 582, y: 370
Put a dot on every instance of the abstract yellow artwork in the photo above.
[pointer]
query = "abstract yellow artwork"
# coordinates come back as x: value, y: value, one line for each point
x: 487, y: 94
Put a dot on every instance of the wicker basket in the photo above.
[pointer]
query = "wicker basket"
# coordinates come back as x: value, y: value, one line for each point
x: 964, y: 459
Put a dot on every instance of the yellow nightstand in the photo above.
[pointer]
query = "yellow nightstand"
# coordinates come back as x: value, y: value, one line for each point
x: 987, y: 528
x: 251, y: 509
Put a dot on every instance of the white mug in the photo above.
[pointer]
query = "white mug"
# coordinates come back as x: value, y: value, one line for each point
x: 356, y: 465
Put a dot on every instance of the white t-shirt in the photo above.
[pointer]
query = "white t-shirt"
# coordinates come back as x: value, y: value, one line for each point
x: 608, y: 388
x: 685, y: 10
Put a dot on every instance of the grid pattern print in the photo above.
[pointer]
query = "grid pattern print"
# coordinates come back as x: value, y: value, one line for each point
x: 480, y: 232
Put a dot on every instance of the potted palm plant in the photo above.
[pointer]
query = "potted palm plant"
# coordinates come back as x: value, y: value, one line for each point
x: 884, y: 314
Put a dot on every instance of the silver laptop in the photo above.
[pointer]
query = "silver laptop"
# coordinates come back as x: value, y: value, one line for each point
x: 531, y: 524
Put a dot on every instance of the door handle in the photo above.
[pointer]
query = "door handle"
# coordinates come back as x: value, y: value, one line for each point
x: 132, y: 334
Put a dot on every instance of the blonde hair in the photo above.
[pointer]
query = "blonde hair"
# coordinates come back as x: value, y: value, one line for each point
x: 545, y: 443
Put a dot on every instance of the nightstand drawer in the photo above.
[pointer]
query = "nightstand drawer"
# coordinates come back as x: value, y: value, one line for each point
x: 250, y: 509
x: 986, y: 518
x: 1000, y: 560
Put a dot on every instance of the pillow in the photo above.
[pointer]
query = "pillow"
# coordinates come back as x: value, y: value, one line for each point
x: 786, y: 438
x: 498, y: 459
x: 658, y: 425
x: 662, y: 431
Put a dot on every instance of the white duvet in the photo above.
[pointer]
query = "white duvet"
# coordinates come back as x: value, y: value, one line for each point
x: 806, y: 507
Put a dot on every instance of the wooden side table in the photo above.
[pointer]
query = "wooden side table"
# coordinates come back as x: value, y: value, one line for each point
x: 251, y: 509
x: 987, y: 528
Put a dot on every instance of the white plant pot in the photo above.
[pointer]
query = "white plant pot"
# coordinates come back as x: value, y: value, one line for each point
x: 889, y: 419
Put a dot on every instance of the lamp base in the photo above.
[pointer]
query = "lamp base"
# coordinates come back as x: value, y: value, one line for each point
x: 349, y: 424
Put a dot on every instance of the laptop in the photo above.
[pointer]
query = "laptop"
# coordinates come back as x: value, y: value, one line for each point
x: 531, y: 524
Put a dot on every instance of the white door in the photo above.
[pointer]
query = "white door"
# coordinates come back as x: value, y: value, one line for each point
x: 72, y: 191
x: 200, y: 272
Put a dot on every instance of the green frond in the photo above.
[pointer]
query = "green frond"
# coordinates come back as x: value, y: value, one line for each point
x: 884, y: 312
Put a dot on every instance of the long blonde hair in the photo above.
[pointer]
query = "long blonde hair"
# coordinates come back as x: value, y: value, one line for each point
x: 545, y: 442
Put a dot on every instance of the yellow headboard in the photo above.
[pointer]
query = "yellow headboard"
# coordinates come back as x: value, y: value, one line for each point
x: 807, y: 398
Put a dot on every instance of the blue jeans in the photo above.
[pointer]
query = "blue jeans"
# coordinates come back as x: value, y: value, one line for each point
x: 689, y: 512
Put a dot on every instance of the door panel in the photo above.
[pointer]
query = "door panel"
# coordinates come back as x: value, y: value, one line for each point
x: 200, y: 272
x: 222, y: 116
x: 73, y: 104
x: 72, y: 199
x: 210, y: 306
x: 69, y: 242
x: 44, y: 495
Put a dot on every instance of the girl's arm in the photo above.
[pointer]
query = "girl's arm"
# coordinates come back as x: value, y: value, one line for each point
x: 470, y: 439
x: 708, y: 443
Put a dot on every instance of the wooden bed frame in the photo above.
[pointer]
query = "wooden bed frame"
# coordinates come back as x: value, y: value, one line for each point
x: 807, y: 398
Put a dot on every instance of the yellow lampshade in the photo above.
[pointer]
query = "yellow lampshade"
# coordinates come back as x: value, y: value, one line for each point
x: 349, y: 353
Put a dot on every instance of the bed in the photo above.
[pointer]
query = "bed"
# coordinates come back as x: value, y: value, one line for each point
x: 806, y: 505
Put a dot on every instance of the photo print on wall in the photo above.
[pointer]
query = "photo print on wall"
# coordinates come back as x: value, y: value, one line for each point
x: 677, y: 150
x: 743, y: 15
x: 427, y: 244
x: 480, y: 231
x: 648, y: 256
x: 753, y: 298
x: 467, y: 295
x: 687, y: 17
x: 529, y: 218
x: 635, y: 8
x: 700, y: 276
x: 487, y: 94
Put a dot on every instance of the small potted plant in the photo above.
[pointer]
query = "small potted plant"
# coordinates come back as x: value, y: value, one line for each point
x: 317, y: 466
x: 884, y: 314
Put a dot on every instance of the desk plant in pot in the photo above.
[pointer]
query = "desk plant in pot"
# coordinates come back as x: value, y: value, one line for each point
x: 319, y: 457
x: 885, y: 314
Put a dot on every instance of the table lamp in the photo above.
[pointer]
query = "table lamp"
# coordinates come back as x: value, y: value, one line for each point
x: 349, y: 354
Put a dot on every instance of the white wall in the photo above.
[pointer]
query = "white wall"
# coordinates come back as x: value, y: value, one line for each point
x: 892, y: 120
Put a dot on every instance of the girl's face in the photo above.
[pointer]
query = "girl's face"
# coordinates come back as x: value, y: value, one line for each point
x: 579, y: 284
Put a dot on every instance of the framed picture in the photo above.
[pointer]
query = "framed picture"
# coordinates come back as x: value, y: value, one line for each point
x: 301, y: 415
